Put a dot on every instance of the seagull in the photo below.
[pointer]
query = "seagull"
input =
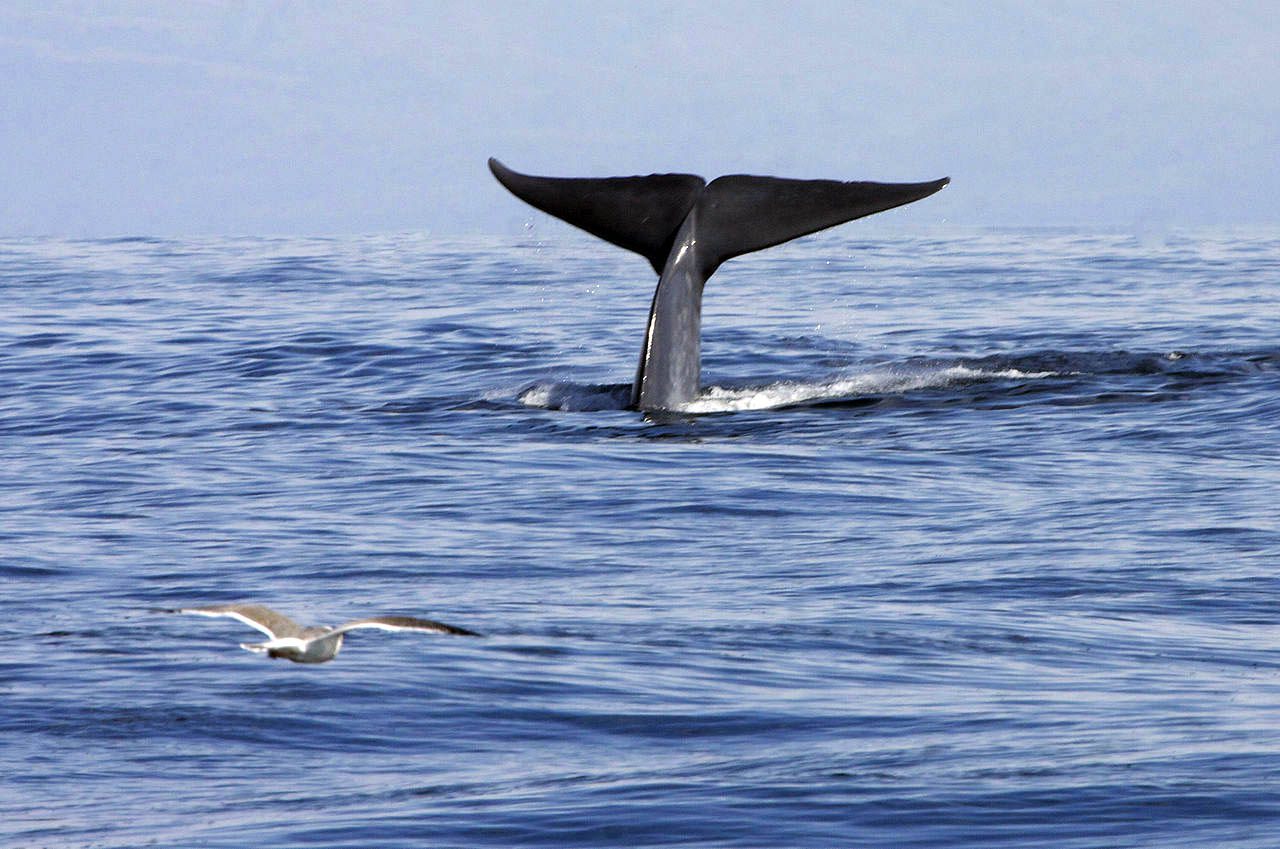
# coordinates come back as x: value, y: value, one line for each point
x: 310, y: 644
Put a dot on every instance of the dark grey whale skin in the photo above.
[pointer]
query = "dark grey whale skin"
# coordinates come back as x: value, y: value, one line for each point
x: 686, y: 228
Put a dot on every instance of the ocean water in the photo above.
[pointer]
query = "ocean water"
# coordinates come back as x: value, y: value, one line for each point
x: 971, y: 541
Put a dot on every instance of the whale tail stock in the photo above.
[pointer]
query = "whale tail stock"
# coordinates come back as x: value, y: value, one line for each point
x: 686, y: 228
x: 737, y: 214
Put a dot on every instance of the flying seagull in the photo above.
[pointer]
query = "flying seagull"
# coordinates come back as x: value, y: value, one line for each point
x: 311, y: 644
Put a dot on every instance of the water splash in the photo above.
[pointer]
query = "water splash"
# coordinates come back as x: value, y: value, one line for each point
x: 888, y: 381
x: 576, y: 397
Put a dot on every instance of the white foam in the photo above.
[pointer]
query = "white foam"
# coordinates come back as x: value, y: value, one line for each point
x: 889, y: 381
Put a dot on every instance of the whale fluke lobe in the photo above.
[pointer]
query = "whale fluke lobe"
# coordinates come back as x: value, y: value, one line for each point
x: 687, y: 228
x: 739, y: 213
x: 641, y: 214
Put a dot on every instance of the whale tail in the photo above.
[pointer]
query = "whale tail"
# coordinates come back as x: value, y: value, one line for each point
x: 737, y: 214
x: 686, y: 228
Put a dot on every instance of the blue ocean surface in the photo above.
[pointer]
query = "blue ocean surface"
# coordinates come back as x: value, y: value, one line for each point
x: 972, y: 540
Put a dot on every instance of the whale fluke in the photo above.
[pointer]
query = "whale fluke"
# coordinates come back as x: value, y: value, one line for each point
x: 687, y: 228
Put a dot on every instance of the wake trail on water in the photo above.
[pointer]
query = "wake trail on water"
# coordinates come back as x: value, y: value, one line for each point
x: 872, y: 382
x: 570, y: 397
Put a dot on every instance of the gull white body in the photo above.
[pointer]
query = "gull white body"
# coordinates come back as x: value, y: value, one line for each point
x: 313, y: 645
x: 310, y: 643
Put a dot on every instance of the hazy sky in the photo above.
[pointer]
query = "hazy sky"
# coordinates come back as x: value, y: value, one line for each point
x: 323, y: 117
